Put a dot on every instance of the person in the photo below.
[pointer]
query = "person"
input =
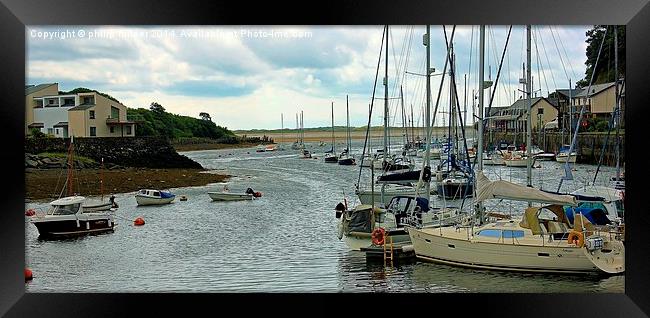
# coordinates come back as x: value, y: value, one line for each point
x: 340, y: 207
x: 250, y: 191
x: 113, y: 203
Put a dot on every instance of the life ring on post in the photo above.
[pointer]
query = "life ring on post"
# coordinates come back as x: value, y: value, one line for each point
x: 378, y: 236
x: 576, y: 238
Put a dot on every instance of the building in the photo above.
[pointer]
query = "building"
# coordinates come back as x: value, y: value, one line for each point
x: 513, y: 118
x: 600, y: 102
x: 34, y: 94
x: 87, y: 114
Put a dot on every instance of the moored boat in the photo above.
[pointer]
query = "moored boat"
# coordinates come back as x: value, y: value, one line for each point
x: 154, y: 197
x: 67, y: 217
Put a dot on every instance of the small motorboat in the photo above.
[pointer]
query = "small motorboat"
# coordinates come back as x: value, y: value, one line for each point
x: 226, y: 195
x: 154, y: 197
x: 69, y: 216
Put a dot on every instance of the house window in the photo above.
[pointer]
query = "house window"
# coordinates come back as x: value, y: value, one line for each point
x: 89, y: 100
x: 57, y: 131
x: 115, y: 112
x: 128, y: 130
x: 92, y: 114
x: 93, y: 131
x: 112, y: 129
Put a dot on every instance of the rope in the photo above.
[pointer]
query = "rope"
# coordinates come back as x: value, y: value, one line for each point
x: 372, y: 102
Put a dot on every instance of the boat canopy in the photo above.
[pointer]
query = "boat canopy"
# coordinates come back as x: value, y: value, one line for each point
x: 500, y: 189
x: 68, y: 200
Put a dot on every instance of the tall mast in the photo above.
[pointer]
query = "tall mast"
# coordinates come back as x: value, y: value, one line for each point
x: 404, y: 121
x: 570, y: 112
x: 427, y: 139
x: 618, y: 106
x: 386, y: 103
x: 347, y: 111
x: 333, y: 142
x: 480, y: 113
x: 528, y: 113
x: 70, y: 166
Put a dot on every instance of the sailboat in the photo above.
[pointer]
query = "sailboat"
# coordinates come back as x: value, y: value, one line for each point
x: 345, y: 158
x: 454, y: 175
x: 367, y: 224
x: 544, y: 241
x: 331, y: 156
x: 304, y: 153
x: 74, y: 215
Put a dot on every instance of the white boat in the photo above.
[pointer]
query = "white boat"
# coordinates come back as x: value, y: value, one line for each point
x: 543, y: 241
x: 68, y: 217
x: 260, y: 148
x: 516, y: 162
x: 544, y: 156
x: 229, y: 196
x: 563, y: 155
x: 382, y: 199
x: 358, y: 225
x: 153, y: 197
x: 494, y: 159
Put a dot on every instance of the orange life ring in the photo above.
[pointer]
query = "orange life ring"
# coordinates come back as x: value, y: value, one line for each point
x: 576, y: 238
x: 378, y: 236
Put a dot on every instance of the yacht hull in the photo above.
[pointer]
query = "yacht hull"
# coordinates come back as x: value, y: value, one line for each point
x: 555, y: 257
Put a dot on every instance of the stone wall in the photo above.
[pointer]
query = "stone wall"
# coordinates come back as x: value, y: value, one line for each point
x: 588, y: 145
x: 150, y: 152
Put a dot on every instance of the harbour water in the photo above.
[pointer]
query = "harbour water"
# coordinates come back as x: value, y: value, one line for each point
x: 286, y: 241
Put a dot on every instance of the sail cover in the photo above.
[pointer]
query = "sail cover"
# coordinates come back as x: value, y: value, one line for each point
x: 409, y: 176
x: 510, y: 191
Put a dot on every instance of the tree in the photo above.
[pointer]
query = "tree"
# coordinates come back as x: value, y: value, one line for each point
x: 205, y: 116
x: 157, y: 108
x: 605, y: 68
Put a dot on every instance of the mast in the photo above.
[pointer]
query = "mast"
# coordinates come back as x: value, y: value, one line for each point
x: 618, y: 105
x: 347, y: 110
x: 70, y: 166
x: 333, y: 141
x: 404, y: 121
x: 386, y: 104
x: 570, y: 112
x: 427, y: 139
x: 481, y: 92
x: 528, y: 113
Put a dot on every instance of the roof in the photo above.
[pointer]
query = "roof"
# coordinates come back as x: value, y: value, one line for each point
x: 36, y: 125
x: 29, y: 89
x: 565, y: 92
x: 82, y: 107
x: 595, y: 89
x: 523, y: 103
x: 61, y: 124
x: 495, y: 110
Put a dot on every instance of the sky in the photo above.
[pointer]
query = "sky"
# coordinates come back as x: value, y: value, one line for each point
x: 260, y: 77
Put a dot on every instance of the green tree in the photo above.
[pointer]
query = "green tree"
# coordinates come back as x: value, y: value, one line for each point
x: 205, y: 116
x: 157, y: 108
x: 605, y: 69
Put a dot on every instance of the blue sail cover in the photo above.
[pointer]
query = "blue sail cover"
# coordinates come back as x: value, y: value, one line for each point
x: 166, y: 195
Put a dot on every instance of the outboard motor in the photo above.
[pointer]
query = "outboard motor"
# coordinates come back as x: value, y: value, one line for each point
x: 340, y: 208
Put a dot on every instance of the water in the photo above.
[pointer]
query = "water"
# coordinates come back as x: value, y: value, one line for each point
x: 284, y: 242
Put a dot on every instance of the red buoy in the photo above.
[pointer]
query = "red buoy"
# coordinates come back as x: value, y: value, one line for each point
x: 257, y: 194
x: 30, y: 212
x: 138, y: 222
x: 28, y: 274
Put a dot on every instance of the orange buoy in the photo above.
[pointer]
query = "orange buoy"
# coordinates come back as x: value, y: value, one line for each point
x: 138, y: 222
x: 28, y: 274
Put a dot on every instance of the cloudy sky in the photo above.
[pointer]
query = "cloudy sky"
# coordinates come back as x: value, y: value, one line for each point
x: 246, y: 77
